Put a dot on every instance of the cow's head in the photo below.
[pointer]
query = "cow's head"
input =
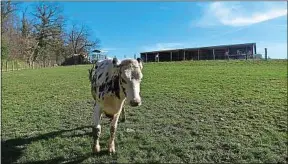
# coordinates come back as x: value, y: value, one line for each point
x: 130, y: 76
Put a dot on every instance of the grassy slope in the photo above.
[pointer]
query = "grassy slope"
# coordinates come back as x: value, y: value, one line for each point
x: 192, y: 112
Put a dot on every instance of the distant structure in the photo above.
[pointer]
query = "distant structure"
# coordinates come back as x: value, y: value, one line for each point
x: 76, y: 59
x: 220, y: 52
x: 97, y: 55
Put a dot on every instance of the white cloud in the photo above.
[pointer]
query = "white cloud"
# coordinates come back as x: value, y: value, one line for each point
x: 163, y: 46
x: 105, y: 50
x: 240, y: 13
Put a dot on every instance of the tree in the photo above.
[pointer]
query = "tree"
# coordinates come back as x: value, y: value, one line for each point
x: 78, y: 40
x: 42, y: 38
x: 8, y: 9
x: 11, y: 33
x: 28, y: 42
x: 48, y: 30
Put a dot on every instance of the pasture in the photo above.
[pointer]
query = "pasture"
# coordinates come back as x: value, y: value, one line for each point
x: 201, y: 111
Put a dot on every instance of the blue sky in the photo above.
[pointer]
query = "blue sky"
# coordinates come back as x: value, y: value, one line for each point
x: 128, y: 28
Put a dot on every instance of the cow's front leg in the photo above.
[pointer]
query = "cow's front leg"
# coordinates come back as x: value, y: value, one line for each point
x: 113, y: 129
x: 123, y: 117
x: 96, y: 129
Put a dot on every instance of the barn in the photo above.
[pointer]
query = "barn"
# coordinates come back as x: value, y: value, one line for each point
x: 220, y: 52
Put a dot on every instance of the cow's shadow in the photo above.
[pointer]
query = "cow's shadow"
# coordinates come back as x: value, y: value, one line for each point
x: 12, y: 149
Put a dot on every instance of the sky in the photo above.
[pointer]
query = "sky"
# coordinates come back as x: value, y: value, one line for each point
x: 128, y: 28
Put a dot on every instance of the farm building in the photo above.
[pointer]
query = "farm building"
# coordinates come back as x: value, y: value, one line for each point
x: 221, y: 52
x: 75, y: 59
x: 96, y: 55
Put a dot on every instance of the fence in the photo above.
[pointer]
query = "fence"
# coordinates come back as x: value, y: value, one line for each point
x: 16, y: 65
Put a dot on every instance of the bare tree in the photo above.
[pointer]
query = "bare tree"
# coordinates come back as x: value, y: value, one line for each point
x: 9, y: 30
x: 48, y: 28
x: 8, y: 9
x: 28, y: 43
x: 43, y: 38
x: 78, y: 40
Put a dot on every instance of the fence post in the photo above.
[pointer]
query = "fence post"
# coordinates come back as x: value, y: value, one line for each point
x: 12, y: 65
x: 17, y: 66
x: 265, y: 53
x: 6, y: 65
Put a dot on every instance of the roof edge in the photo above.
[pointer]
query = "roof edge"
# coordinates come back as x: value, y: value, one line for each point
x: 179, y: 49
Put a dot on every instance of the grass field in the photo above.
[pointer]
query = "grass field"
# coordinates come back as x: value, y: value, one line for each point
x: 202, y: 111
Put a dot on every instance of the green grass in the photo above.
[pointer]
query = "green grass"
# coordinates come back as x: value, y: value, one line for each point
x: 202, y: 111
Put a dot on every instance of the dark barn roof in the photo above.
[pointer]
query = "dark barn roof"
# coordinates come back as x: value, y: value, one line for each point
x: 209, y: 47
x: 97, y: 51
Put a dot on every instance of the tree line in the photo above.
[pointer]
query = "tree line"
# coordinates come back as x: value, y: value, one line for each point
x: 40, y: 35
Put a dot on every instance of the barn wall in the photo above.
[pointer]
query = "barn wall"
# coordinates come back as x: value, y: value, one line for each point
x: 204, y: 53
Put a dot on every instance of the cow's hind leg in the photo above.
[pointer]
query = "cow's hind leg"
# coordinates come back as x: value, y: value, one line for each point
x: 96, y: 129
x: 113, y: 128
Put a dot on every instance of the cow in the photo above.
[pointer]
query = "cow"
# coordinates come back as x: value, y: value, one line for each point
x: 113, y: 82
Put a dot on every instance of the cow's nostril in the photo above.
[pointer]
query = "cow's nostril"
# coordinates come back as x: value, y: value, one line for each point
x: 134, y: 103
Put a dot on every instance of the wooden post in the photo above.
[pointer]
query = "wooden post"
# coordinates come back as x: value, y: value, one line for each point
x: 266, y: 54
x: 213, y: 54
x: 246, y: 53
x: 12, y: 65
x: 157, y: 57
x: 198, y: 55
x: 146, y: 57
x: 6, y: 65
x: 17, y: 66
x: 228, y: 54
x: 171, y: 56
x: 255, y: 52
x: 184, y: 56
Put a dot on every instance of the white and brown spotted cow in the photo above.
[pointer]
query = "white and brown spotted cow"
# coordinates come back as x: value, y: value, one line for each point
x: 112, y: 83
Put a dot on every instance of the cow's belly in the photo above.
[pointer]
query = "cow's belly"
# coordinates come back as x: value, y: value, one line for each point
x: 111, y: 105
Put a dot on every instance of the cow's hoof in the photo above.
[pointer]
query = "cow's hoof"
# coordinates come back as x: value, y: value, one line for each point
x: 123, y: 119
x: 111, y: 150
x: 111, y: 153
x: 96, y: 149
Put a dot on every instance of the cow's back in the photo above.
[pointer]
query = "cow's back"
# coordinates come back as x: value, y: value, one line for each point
x: 102, y: 73
x: 103, y: 70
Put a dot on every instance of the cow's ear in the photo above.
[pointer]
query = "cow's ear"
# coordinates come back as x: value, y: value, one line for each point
x: 115, y: 62
x: 140, y: 62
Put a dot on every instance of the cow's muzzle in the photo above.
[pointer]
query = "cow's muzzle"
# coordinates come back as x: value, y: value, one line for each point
x: 135, y: 103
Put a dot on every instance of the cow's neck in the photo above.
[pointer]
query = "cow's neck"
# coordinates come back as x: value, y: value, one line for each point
x: 118, y: 88
x: 122, y: 89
